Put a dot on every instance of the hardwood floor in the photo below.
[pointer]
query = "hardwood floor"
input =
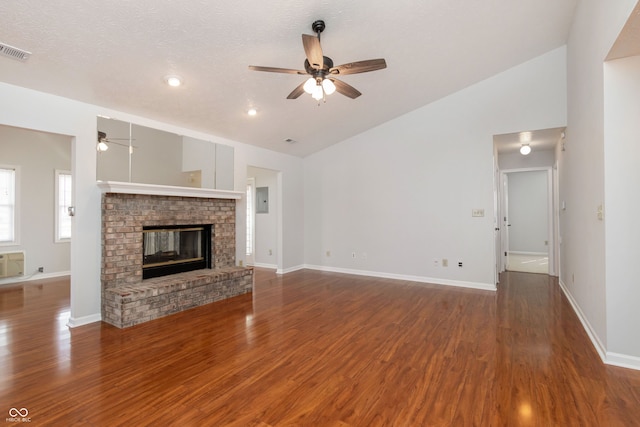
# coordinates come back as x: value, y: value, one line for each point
x: 317, y: 349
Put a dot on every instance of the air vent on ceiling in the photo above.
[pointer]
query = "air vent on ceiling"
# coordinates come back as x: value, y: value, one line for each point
x: 14, y: 52
x: 290, y: 141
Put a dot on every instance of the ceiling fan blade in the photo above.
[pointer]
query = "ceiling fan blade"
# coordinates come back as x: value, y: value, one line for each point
x: 359, y: 67
x: 346, y: 89
x: 313, y: 50
x: 299, y: 90
x: 276, y: 70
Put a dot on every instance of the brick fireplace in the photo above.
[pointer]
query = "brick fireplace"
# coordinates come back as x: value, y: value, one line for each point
x: 127, y: 298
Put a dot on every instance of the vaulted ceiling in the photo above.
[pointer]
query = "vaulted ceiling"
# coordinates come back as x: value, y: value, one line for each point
x: 116, y: 54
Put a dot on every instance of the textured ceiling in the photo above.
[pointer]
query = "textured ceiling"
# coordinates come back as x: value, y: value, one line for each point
x: 116, y: 53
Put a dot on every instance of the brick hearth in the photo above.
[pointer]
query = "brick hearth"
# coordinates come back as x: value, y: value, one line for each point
x: 127, y: 299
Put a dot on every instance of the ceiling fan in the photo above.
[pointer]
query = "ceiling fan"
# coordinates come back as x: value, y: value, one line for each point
x: 323, y: 81
x: 103, y: 142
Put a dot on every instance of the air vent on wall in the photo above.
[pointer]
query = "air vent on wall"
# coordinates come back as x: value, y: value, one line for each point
x: 14, y: 52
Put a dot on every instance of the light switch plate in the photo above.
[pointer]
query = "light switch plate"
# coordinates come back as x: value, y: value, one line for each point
x: 477, y: 212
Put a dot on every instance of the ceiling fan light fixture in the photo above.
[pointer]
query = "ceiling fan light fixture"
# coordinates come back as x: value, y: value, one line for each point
x: 318, y: 93
x: 310, y: 85
x: 328, y: 86
x: 525, y: 149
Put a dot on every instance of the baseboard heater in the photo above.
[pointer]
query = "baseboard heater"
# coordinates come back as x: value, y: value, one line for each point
x: 11, y: 264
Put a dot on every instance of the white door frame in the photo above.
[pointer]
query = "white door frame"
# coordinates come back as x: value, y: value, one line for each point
x: 551, y: 216
x: 250, y: 257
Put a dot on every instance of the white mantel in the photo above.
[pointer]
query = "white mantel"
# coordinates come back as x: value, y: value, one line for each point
x: 166, y: 190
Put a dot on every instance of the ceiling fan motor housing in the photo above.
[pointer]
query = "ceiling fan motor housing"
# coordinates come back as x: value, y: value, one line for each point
x: 318, y: 26
x: 327, y: 64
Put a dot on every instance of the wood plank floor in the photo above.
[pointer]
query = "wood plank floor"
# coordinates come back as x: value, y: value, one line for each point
x: 317, y: 349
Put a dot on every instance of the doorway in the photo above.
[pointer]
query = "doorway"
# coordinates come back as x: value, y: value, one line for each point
x: 263, y: 218
x: 527, y: 237
x: 43, y: 188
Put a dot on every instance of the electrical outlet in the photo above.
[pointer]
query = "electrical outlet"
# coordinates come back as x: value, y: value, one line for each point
x: 445, y: 262
x: 270, y: 252
x: 240, y: 263
x: 40, y: 269
x: 328, y: 253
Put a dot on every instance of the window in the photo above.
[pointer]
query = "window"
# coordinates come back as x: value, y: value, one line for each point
x: 63, y: 203
x: 250, y: 185
x: 9, y: 205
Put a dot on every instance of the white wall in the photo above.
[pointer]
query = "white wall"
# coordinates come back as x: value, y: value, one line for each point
x: 402, y: 193
x: 36, y: 110
x: 38, y: 155
x: 528, y: 212
x: 622, y: 186
x: 582, y: 181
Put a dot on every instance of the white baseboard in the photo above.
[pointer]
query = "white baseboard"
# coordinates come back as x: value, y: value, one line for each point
x: 608, y: 357
x: 74, y: 322
x: 263, y: 265
x: 33, y: 277
x: 419, y: 279
x: 290, y: 269
x: 597, y: 344
x: 623, y: 360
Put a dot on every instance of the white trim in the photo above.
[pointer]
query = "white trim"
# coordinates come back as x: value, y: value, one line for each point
x: 33, y: 277
x: 419, y: 279
x: 56, y: 207
x: 290, y: 269
x: 623, y: 360
x: 263, y: 265
x: 585, y: 323
x: 16, y: 206
x: 250, y: 221
x: 74, y: 322
x: 167, y: 190
x: 608, y: 357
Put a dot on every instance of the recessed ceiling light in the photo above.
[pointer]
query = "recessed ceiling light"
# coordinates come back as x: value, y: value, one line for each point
x: 252, y: 112
x: 173, y: 81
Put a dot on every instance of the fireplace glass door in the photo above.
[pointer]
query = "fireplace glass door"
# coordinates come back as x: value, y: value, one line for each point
x: 175, y: 249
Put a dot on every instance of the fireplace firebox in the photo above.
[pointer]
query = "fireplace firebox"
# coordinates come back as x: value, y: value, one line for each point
x: 175, y: 249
